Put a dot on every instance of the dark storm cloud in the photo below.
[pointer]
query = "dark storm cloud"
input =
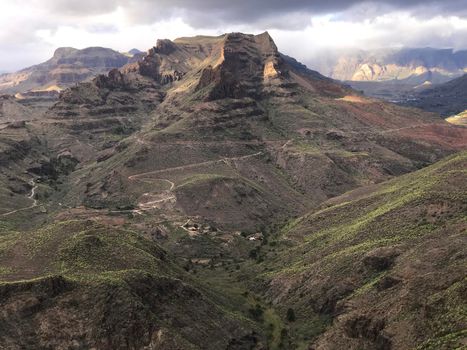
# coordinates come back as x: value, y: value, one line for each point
x: 273, y: 13
x: 31, y: 29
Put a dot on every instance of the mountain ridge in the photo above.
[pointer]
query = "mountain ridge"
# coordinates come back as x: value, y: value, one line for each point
x: 177, y: 203
x: 66, y: 67
x: 393, y: 74
x: 393, y: 64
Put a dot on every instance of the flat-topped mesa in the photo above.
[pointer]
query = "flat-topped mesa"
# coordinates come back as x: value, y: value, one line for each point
x: 245, y: 63
x: 67, y: 67
x: 90, y: 58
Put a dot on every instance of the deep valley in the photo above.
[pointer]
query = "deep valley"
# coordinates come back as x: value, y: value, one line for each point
x: 214, y: 193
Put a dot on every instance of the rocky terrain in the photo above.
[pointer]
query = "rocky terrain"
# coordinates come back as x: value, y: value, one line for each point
x: 216, y: 194
x: 67, y: 67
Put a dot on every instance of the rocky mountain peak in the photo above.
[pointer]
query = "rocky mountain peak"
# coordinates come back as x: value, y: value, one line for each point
x: 267, y: 43
x: 233, y: 65
x: 165, y: 46
x: 243, y: 64
x: 64, y: 51
x: 262, y: 42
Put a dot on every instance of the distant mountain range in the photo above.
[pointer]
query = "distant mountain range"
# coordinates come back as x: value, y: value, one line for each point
x: 67, y: 67
x: 135, y: 52
x: 438, y: 65
x: 392, y: 73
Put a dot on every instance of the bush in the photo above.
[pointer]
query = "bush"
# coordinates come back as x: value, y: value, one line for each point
x: 290, y: 315
x: 254, y: 253
x: 256, y: 312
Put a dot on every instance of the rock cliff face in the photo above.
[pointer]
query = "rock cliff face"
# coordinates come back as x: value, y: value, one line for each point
x: 229, y: 78
x: 68, y: 66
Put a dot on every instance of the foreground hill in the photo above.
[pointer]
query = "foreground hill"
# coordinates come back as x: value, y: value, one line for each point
x: 84, y: 285
x: 385, y: 264
x: 162, y: 190
x: 68, y: 66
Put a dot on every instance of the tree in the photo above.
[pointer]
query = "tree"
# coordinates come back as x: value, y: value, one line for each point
x: 290, y: 315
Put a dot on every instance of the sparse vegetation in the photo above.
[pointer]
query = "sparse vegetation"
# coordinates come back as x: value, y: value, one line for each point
x: 199, y: 201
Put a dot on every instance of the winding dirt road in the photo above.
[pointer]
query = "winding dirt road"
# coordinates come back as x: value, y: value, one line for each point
x: 191, y: 166
x: 167, y: 195
x: 30, y: 196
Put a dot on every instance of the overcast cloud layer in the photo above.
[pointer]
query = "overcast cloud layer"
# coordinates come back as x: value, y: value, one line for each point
x: 30, y: 30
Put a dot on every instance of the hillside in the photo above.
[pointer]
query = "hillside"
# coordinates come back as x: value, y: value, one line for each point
x: 103, y: 280
x: 160, y: 205
x: 68, y: 66
x: 382, y: 267
x: 446, y: 99
x: 231, y: 106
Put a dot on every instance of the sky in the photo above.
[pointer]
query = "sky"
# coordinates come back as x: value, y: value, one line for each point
x: 30, y: 30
